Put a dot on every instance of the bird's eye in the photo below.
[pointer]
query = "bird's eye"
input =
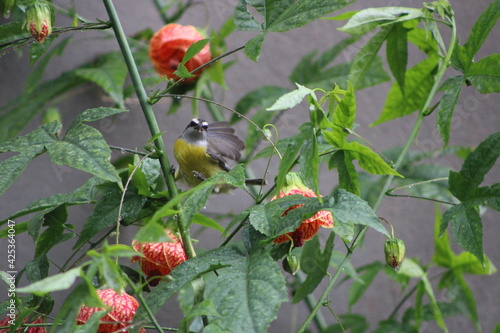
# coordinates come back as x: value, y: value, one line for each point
x: 194, y: 122
x: 204, y: 125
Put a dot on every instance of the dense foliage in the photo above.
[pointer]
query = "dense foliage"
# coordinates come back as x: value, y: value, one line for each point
x: 271, y: 253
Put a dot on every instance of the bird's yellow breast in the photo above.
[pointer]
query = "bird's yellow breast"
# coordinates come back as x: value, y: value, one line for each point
x: 193, y: 159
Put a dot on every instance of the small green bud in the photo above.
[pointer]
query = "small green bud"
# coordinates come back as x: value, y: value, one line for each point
x: 6, y: 7
x: 39, y: 20
x: 394, y: 252
x: 291, y: 264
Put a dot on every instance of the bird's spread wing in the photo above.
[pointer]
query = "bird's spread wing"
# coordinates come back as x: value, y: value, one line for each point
x: 223, y: 143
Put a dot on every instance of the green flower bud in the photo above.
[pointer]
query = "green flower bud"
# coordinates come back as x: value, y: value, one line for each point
x: 394, y: 252
x: 6, y: 7
x: 291, y: 264
x: 39, y: 20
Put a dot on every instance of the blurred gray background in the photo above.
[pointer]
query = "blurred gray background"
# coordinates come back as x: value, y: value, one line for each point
x: 476, y: 117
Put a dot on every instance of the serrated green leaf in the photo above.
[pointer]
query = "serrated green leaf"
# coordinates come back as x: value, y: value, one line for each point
x: 351, y: 208
x: 106, y: 211
x: 418, y: 83
x: 152, y: 232
x: 467, y: 228
x: 84, y: 148
x: 82, y: 195
x: 397, y: 53
x: 365, y: 57
x: 460, y: 59
x: 309, y: 158
x: 348, y: 176
x: 314, y: 262
x: 254, y: 46
x: 288, y: 160
x: 421, y: 39
x: 291, y: 99
x: 12, y: 31
x: 368, y: 19
x: 243, y: 20
x: 481, y: 160
x: 452, y: 88
x: 61, y: 281
x: 358, y: 288
x: 368, y: 160
x: 248, y: 294
x: 482, y: 28
x: 485, y: 74
x: 443, y: 254
x: 108, y: 73
x: 55, y: 233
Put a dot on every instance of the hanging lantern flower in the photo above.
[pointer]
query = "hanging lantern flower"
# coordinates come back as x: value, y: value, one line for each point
x: 168, y: 46
x: 159, y: 259
x: 310, y: 226
x: 121, y: 306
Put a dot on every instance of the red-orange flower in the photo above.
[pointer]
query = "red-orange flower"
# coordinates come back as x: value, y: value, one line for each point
x: 33, y: 329
x: 159, y: 258
x: 123, y: 308
x: 168, y: 46
x: 310, y: 226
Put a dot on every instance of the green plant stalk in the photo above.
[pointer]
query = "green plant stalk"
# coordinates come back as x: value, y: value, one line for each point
x: 150, y: 117
x: 442, y: 68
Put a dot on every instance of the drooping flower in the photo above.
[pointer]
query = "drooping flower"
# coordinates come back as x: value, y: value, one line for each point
x: 394, y: 250
x: 39, y: 20
x: 309, y: 227
x: 159, y: 259
x: 122, y: 311
x: 32, y: 329
x: 168, y: 46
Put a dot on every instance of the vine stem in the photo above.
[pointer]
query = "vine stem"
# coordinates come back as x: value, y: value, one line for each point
x: 150, y: 118
x: 443, y: 65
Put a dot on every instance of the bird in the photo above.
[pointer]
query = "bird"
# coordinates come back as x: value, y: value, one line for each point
x: 201, y: 152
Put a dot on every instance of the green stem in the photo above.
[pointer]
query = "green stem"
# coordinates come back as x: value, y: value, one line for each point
x: 150, y: 118
x: 442, y: 68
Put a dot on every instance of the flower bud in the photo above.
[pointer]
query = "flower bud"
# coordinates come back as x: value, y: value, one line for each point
x: 6, y: 7
x: 291, y: 264
x: 394, y: 252
x: 39, y: 20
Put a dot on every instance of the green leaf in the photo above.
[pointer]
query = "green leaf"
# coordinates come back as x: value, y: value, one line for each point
x: 279, y: 16
x: 109, y: 73
x: 349, y: 208
x: 368, y: 19
x: 420, y: 38
x: 193, y: 50
x: 288, y: 160
x: 482, y: 28
x: 82, y: 195
x: 443, y: 254
x: 55, y: 220
x: 29, y: 146
x: 460, y: 59
x: 84, y: 148
x: 481, y: 160
x: 485, y: 74
x: 353, y: 323
x: 368, y: 160
x: 348, y: 176
x: 194, y: 203
x: 309, y: 158
x: 291, y: 99
x: 452, y: 88
x: 207, y: 222
x: 12, y: 31
x: 397, y: 53
x: 467, y: 228
x: 314, y: 263
x: 152, y: 232
x: 254, y: 46
x: 106, y: 211
x: 418, y: 83
x: 358, y: 288
x: 366, y: 56
x: 61, y: 281
x: 247, y: 294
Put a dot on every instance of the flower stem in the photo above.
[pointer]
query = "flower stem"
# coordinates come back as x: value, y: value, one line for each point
x: 443, y: 65
x: 150, y: 117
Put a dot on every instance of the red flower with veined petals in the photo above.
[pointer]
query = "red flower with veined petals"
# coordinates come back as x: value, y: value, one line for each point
x: 168, y: 46
x: 309, y: 227
x: 159, y: 258
x: 123, y: 308
x: 33, y: 329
